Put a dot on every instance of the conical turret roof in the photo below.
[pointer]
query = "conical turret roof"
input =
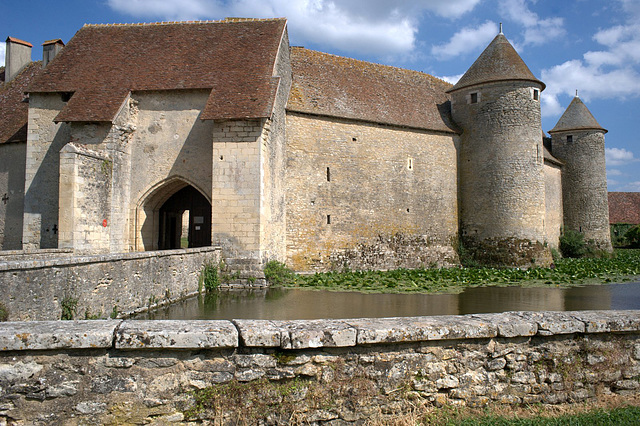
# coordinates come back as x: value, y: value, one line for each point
x: 577, y: 117
x: 498, y: 62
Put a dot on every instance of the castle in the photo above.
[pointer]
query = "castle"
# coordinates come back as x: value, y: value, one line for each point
x: 280, y: 152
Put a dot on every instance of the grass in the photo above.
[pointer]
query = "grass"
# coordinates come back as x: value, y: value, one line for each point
x: 622, y: 266
x: 628, y: 415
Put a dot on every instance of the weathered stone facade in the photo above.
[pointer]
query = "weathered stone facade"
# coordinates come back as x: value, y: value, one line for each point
x: 280, y: 153
x: 346, y: 371
x: 367, y: 196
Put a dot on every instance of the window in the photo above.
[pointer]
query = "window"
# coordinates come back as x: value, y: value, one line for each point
x: 473, y: 98
x: 569, y: 138
x: 328, y: 174
x: 410, y: 163
x: 328, y: 219
x: 536, y: 95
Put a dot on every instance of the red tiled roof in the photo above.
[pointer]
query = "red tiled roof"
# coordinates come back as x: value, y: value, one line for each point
x: 17, y: 40
x: 13, y: 111
x: 331, y: 85
x: 624, y: 207
x: 101, y: 64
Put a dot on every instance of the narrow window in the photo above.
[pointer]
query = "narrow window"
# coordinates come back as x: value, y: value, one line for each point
x: 569, y: 138
x: 536, y: 95
x: 473, y: 98
x: 410, y: 164
x: 328, y: 219
x: 354, y: 139
x: 328, y: 175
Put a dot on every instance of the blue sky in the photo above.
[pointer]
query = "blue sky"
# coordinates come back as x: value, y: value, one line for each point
x: 589, y: 45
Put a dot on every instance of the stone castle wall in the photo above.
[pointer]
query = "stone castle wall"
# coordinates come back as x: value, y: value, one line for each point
x: 553, y: 204
x: 12, y: 169
x: 502, y: 182
x: 170, y: 146
x: 584, y: 184
x: 368, y: 196
x: 45, y: 139
x: 346, y: 371
x: 100, y: 285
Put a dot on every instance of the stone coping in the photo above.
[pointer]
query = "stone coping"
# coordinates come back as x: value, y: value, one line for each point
x: 74, y: 260
x: 302, y: 334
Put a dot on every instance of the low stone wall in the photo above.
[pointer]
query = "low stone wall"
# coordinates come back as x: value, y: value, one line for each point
x: 11, y: 255
x: 135, y: 372
x: 99, y: 286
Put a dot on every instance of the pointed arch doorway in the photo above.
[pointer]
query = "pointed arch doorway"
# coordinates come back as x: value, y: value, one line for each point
x: 185, y: 220
x: 173, y: 214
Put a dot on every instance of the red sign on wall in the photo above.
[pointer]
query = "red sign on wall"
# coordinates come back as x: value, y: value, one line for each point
x: 104, y: 223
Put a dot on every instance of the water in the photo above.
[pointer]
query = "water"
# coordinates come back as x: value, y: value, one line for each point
x: 286, y: 304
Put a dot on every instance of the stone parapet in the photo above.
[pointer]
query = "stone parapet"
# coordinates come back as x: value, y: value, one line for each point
x: 43, y: 287
x: 351, y: 370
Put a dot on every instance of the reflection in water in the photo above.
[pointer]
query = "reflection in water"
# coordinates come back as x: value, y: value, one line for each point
x: 284, y: 304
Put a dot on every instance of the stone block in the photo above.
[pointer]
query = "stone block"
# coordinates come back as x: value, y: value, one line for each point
x: 176, y: 335
x: 316, y: 334
x: 413, y: 329
x: 56, y: 335
x: 551, y: 323
x: 608, y: 321
x: 510, y: 324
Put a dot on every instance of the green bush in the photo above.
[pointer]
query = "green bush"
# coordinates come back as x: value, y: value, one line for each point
x: 572, y: 244
x: 633, y: 237
x: 69, y: 307
x: 209, y: 276
x: 277, y: 273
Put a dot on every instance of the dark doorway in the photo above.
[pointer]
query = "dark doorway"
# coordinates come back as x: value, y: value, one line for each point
x: 191, y: 202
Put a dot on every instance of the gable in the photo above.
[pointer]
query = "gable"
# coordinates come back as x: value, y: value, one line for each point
x: 102, y: 64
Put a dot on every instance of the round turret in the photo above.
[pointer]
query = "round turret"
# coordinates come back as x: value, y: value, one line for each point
x: 502, y: 189
x: 578, y: 140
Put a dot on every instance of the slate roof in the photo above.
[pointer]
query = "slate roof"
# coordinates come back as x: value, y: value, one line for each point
x: 498, y: 62
x: 577, y: 117
x: 13, y: 111
x: 336, y: 86
x: 624, y: 207
x: 102, y: 64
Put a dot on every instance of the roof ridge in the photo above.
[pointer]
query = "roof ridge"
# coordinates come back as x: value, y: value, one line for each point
x: 209, y: 21
x: 405, y: 70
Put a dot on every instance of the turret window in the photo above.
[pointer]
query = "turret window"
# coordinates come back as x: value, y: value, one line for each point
x: 535, y: 94
x: 569, y: 138
x: 474, y: 97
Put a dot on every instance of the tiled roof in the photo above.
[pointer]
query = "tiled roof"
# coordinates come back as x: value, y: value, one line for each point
x: 577, y: 117
x: 101, y: 64
x: 498, y: 62
x: 18, y: 41
x: 335, y: 86
x: 13, y: 111
x: 624, y: 207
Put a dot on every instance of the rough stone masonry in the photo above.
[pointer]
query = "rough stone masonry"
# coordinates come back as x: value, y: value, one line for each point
x: 326, y: 371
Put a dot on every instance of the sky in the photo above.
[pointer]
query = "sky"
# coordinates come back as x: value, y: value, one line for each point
x: 592, y: 46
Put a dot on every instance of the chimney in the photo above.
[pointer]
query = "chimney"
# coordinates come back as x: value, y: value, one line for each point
x: 17, y: 56
x: 50, y: 49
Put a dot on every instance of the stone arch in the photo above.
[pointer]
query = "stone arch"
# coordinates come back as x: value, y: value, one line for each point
x: 163, y: 200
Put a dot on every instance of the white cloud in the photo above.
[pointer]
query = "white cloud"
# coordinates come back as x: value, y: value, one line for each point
x: 466, y: 40
x: 610, y: 73
x: 453, y: 79
x: 3, y: 46
x: 377, y: 27
x: 536, y: 30
x: 632, y: 186
x: 619, y: 156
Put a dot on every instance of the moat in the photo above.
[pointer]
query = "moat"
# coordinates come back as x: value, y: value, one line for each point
x: 287, y: 304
